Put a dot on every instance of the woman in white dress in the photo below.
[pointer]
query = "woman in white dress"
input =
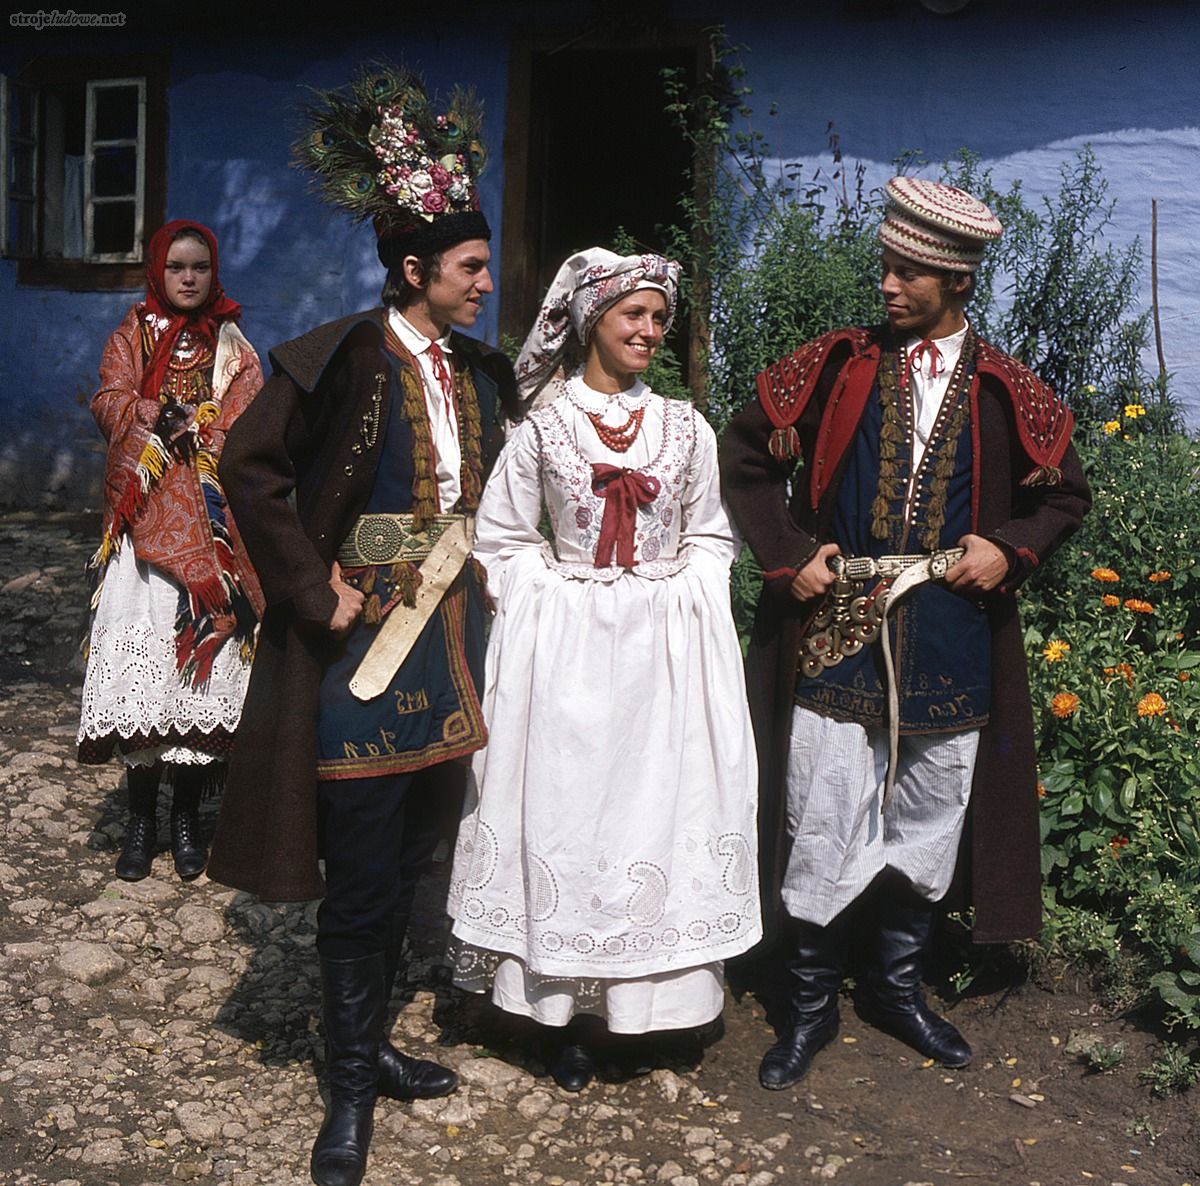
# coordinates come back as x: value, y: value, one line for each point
x: 173, y: 630
x: 607, y: 864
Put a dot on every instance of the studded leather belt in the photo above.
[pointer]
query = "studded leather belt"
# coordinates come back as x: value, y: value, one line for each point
x: 849, y: 620
x: 388, y: 539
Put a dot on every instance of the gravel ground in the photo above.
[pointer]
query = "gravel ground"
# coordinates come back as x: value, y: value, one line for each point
x: 162, y: 1032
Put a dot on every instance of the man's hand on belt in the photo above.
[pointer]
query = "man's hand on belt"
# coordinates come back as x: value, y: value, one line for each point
x: 349, y: 606
x: 814, y: 579
x: 981, y: 569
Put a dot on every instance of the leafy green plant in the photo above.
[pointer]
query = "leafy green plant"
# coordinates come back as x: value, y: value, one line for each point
x: 1172, y: 1072
x: 1111, y: 634
x: 1102, y: 1058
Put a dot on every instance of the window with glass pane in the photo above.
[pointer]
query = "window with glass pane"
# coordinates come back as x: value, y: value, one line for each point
x: 112, y: 211
x: 19, y: 107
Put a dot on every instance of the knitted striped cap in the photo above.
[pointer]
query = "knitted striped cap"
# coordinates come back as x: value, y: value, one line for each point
x: 937, y: 225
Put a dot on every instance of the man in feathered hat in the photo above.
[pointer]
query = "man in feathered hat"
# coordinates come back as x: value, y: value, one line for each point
x: 357, y: 479
x: 897, y: 484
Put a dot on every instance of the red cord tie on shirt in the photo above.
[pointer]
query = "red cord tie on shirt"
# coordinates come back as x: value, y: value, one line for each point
x: 623, y: 491
x: 446, y: 383
x: 937, y: 364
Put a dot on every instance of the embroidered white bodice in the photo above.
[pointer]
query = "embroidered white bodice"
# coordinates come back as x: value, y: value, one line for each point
x: 568, y: 445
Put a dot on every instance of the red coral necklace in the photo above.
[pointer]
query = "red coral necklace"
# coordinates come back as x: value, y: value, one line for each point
x: 618, y: 438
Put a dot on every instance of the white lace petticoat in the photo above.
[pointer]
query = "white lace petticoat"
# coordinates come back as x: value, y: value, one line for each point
x: 132, y: 687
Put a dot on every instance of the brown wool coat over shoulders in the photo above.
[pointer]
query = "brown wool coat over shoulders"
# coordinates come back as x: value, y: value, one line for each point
x: 297, y: 487
x: 784, y: 510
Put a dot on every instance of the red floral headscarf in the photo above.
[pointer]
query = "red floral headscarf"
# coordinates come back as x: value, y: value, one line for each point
x: 205, y: 319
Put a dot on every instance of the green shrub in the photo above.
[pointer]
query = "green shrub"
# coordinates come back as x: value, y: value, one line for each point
x: 1114, y: 659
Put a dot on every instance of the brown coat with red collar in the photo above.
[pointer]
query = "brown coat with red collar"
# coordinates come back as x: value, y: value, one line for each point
x: 1029, y: 495
x: 296, y: 483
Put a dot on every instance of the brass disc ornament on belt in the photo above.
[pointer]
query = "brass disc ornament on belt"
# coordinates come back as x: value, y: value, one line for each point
x: 846, y: 622
x: 378, y: 538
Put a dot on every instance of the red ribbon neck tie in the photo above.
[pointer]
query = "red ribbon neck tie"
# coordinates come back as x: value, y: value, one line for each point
x: 442, y: 373
x: 937, y: 364
x: 623, y: 491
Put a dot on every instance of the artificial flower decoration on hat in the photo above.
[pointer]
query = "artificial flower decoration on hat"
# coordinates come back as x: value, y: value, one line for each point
x: 936, y: 224
x: 380, y: 150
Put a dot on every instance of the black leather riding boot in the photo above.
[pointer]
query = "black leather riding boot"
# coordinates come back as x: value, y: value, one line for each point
x: 402, y: 1077
x: 893, y: 999
x: 815, y: 972
x: 352, y: 1011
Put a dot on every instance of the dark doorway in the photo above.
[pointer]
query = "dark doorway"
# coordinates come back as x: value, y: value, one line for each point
x: 589, y: 148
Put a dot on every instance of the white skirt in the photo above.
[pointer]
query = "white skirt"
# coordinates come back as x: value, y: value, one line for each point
x: 132, y: 685
x: 609, y: 844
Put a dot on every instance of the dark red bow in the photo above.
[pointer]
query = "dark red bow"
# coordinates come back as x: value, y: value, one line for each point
x: 623, y: 491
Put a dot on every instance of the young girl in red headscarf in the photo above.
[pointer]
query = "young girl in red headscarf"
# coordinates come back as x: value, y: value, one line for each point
x: 174, y: 610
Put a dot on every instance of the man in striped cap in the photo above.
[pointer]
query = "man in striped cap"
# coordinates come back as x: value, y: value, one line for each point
x: 897, y: 484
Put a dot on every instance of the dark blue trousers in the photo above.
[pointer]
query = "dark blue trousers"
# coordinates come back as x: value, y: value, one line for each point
x: 376, y: 835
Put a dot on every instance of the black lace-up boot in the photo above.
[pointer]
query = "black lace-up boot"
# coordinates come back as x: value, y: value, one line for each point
x: 137, y: 855
x: 141, y: 836
x: 187, y: 842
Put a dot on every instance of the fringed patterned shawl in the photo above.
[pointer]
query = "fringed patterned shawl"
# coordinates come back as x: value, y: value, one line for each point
x: 175, y: 512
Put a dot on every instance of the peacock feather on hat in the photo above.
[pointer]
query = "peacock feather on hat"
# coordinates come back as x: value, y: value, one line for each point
x: 379, y: 149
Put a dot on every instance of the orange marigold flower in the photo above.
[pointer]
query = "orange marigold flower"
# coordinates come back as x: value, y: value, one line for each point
x: 1184, y: 676
x: 1104, y: 574
x: 1124, y: 670
x: 1055, y: 651
x: 1064, y: 704
x: 1138, y: 607
x: 1117, y: 843
x: 1151, y: 705
x: 1157, y: 578
x: 1041, y: 790
x: 1111, y: 600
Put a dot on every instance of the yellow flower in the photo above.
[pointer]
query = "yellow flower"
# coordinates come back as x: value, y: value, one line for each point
x: 1064, y: 704
x: 1111, y: 427
x: 1157, y: 578
x: 1151, y: 705
x: 1138, y: 607
x: 1055, y: 651
x: 1104, y: 574
x: 1133, y: 411
x: 1089, y: 388
x: 1110, y: 600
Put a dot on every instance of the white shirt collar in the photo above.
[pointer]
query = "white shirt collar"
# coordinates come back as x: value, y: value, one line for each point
x: 411, y: 338
x: 949, y: 342
x: 591, y: 400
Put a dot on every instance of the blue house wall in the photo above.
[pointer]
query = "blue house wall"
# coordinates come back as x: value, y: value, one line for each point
x: 1022, y: 85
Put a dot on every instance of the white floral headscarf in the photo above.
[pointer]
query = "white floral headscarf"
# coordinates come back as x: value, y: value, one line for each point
x: 586, y: 285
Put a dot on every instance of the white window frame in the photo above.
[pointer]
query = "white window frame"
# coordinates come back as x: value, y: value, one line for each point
x: 90, y: 201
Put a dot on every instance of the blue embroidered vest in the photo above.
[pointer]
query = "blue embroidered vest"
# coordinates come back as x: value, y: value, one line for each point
x: 941, y: 641
x: 430, y: 713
